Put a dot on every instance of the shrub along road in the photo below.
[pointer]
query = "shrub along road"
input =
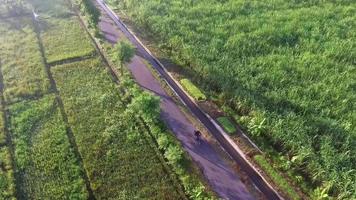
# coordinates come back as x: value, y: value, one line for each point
x: 219, y: 174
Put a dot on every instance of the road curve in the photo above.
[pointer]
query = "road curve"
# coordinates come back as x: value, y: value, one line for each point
x: 223, y: 181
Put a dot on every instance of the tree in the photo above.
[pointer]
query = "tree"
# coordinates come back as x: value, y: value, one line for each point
x: 124, y: 52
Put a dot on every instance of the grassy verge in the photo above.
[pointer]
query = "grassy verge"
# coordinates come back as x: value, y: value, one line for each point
x: 193, y: 90
x: 46, y: 162
x: 63, y: 38
x: 228, y: 126
x: 117, y: 157
x: 21, y: 62
x: 276, y: 177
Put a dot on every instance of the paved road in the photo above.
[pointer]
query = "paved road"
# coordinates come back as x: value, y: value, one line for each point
x: 219, y: 174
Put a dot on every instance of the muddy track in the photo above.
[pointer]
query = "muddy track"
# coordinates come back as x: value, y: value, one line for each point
x: 69, y: 131
x: 257, y: 179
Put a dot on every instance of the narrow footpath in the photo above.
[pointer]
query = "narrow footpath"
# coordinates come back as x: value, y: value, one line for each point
x: 221, y: 177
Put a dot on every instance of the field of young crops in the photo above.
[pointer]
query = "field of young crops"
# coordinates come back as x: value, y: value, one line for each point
x: 44, y: 158
x: 63, y: 38
x: 20, y: 60
x: 287, y: 68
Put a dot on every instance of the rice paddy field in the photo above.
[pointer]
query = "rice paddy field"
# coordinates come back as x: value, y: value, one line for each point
x: 65, y: 129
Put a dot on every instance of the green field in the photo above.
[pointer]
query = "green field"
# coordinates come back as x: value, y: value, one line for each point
x: 63, y: 38
x: 45, y: 160
x: 290, y: 63
x: 118, y: 159
x: 20, y: 60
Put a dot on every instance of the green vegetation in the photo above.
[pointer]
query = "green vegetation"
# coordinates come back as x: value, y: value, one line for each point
x: 91, y: 14
x: 286, y: 67
x: 117, y: 157
x: 7, y: 186
x: 276, y: 177
x: 193, y: 90
x: 124, y: 52
x: 88, y: 9
x: 20, y: 60
x: 65, y: 39
x: 43, y: 155
x: 227, y: 124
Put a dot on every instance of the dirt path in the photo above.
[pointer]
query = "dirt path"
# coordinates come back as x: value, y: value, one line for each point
x: 219, y: 174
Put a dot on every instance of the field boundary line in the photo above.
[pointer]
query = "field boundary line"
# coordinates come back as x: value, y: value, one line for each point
x: 72, y: 60
x: 8, y: 17
x: 9, y: 143
x: 224, y: 135
x: 30, y: 98
x: 69, y: 132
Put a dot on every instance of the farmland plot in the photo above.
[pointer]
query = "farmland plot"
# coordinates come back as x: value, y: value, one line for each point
x: 20, y: 60
x: 47, y: 165
x: 118, y: 159
x: 63, y: 38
